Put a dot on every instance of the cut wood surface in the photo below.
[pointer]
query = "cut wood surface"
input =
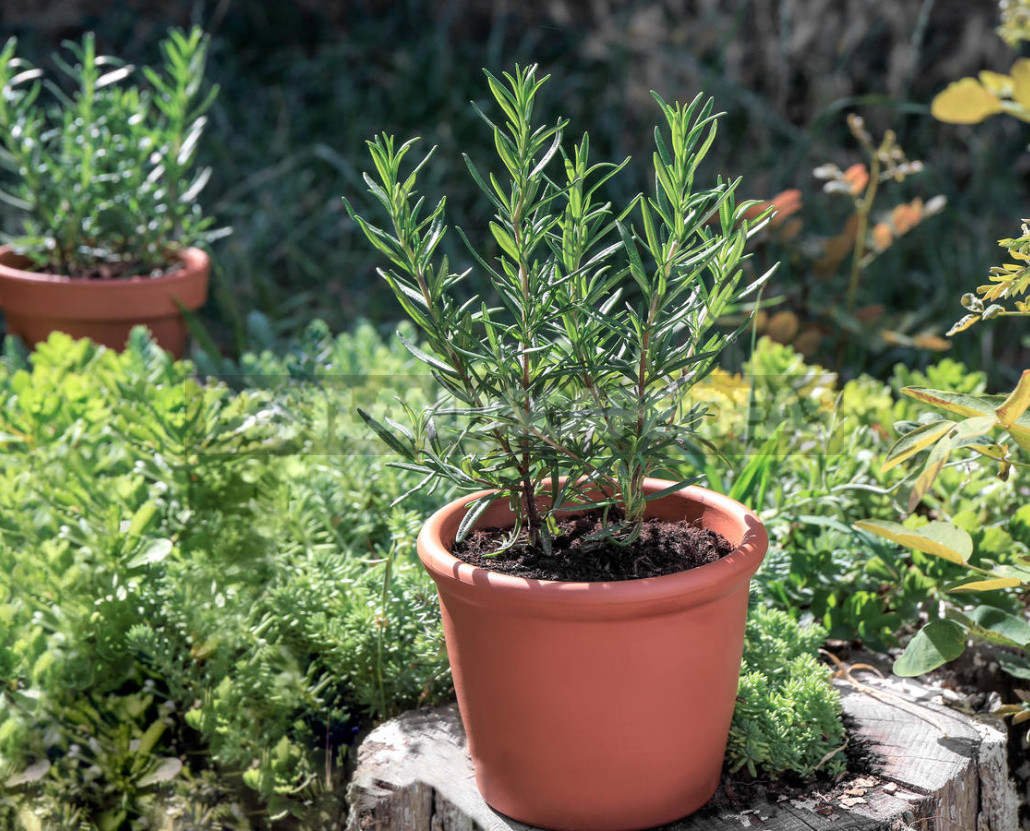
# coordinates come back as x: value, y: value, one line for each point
x: 940, y: 770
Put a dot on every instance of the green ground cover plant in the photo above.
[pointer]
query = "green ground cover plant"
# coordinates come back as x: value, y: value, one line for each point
x: 972, y: 429
x: 204, y: 601
x: 788, y: 718
x: 195, y: 613
x: 812, y: 478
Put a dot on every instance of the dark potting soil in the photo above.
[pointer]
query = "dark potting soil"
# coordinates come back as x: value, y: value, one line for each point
x: 662, y: 548
x: 104, y: 271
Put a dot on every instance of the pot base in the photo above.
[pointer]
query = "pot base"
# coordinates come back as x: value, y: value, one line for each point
x: 635, y: 818
x: 169, y: 333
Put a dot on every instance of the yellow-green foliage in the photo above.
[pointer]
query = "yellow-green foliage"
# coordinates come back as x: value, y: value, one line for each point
x: 1008, y: 281
x: 1015, y: 21
x: 807, y: 452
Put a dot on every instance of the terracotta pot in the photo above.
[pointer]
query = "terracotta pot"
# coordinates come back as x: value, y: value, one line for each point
x: 598, y: 706
x: 104, y: 311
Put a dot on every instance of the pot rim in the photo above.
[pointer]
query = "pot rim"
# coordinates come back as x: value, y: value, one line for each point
x: 58, y: 297
x: 692, y: 587
x: 192, y: 259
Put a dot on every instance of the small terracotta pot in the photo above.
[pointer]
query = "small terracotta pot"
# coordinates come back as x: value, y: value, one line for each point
x: 598, y: 706
x: 104, y: 311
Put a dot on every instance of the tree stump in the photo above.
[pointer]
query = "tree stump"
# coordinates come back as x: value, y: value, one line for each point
x: 940, y: 770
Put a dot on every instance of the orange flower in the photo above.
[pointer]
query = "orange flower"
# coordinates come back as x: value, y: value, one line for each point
x: 882, y: 236
x: 905, y: 217
x: 786, y: 203
x: 857, y: 177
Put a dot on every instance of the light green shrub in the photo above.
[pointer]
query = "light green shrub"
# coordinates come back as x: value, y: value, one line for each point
x: 788, y: 716
x: 205, y: 568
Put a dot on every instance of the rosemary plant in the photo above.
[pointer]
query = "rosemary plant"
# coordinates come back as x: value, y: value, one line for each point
x: 105, y: 171
x: 566, y: 390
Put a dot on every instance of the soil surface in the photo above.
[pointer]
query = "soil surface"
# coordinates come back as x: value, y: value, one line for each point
x: 105, y: 271
x: 577, y: 555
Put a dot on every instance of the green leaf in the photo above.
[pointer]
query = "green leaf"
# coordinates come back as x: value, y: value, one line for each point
x: 1017, y: 402
x: 986, y: 584
x: 1018, y: 666
x: 392, y: 441
x: 934, y: 645
x: 166, y: 770
x: 935, y: 462
x: 941, y: 539
x: 911, y: 443
x: 962, y: 403
x: 426, y: 358
x: 1013, y: 630
x: 33, y: 773
x: 472, y: 515
x: 143, y: 519
x: 154, y: 551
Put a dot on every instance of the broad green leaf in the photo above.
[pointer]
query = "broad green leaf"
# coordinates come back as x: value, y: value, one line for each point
x: 150, y: 737
x: 941, y: 539
x: 965, y: 102
x: 166, y: 770
x: 967, y: 405
x: 911, y: 443
x: 1018, y: 666
x: 142, y: 519
x: 971, y: 428
x: 955, y: 402
x: 33, y: 773
x: 934, y: 464
x: 1011, y: 570
x: 1021, y: 436
x: 934, y: 645
x: 1013, y: 629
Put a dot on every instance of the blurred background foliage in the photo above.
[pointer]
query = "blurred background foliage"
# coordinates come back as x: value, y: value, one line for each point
x: 305, y: 82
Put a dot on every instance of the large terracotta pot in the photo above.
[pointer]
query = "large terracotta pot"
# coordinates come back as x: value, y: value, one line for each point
x: 598, y: 706
x: 105, y: 311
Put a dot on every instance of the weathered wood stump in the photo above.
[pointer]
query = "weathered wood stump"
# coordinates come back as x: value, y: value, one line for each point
x: 941, y: 770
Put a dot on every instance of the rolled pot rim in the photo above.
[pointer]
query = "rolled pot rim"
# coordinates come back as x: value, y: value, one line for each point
x: 693, y: 586
x: 192, y: 260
